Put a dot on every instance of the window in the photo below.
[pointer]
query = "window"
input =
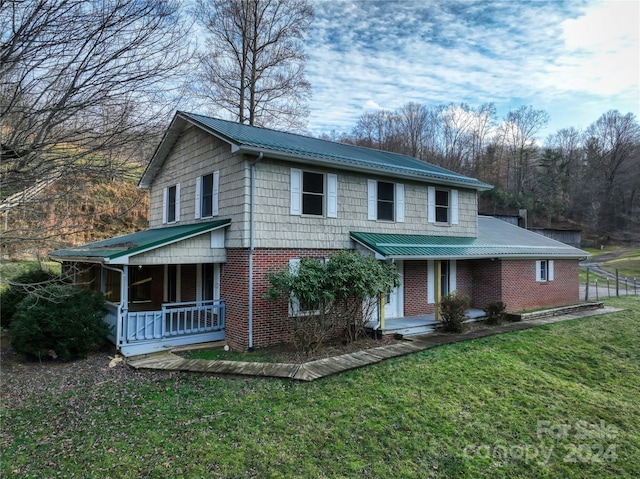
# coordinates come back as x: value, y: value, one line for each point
x: 544, y: 271
x: 313, y: 194
x: 442, y: 206
x: 385, y: 201
x: 207, y: 195
x: 171, y: 204
x: 297, y: 307
x: 172, y: 283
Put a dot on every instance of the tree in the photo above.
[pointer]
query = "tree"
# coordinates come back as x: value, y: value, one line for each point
x: 84, y: 87
x: 253, y: 63
x: 329, y: 296
x: 613, y: 157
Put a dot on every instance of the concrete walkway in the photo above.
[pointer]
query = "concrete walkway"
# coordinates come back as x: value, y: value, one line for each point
x: 320, y: 368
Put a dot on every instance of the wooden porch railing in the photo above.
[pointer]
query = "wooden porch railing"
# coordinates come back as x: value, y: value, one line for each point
x: 173, y: 320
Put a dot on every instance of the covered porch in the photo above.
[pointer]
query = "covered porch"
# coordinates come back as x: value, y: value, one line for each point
x: 162, y: 286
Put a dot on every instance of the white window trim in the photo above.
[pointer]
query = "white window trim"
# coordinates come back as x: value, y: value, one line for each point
x: 550, y: 271
x: 453, y: 206
x: 165, y: 205
x: 294, y: 304
x: 372, y: 201
x: 330, y: 194
x: 215, y: 195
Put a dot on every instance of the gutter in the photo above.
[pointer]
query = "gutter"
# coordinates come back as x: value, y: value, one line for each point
x: 252, y: 187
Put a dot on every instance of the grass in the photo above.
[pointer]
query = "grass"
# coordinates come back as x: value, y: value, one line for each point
x: 555, y: 401
x: 11, y: 269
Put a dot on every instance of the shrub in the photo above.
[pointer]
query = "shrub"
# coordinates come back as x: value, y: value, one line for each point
x: 453, y: 310
x: 58, y: 321
x: 18, y: 289
x: 495, y: 311
x: 327, y: 298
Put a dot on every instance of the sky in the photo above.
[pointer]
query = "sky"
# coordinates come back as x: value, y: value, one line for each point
x: 575, y: 59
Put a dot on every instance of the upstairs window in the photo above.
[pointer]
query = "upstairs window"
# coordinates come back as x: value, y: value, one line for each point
x: 171, y: 204
x: 207, y: 195
x: 385, y: 201
x: 442, y: 206
x: 313, y: 194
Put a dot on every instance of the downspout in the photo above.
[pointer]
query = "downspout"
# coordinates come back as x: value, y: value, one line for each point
x: 252, y: 186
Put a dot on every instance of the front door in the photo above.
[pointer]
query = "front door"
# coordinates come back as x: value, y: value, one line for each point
x: 393, y: 307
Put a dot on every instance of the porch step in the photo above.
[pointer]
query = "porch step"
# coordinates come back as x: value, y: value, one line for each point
x: 546, y: 313
x: 410, y: 331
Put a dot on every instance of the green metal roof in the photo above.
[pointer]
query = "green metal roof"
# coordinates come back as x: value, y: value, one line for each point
x: 294, y: 147
x: 135, y: 243
x: 496, y: 239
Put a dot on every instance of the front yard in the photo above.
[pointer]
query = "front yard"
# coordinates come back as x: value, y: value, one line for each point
x: 561, y: 400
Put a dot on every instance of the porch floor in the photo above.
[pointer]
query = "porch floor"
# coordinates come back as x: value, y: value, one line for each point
x: 425, y: 323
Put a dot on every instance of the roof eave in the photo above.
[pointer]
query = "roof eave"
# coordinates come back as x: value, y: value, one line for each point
x: 354, y: 166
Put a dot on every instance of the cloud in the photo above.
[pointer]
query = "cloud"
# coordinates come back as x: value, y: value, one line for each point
x: 388, y: 53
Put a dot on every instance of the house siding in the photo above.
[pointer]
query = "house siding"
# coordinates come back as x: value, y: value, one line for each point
x: 277, y: 227
x: 197, y: 153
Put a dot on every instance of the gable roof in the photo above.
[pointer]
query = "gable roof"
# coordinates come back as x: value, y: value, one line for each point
x: 110, y: 250
x: 307, y: 150
x: 496, y: 239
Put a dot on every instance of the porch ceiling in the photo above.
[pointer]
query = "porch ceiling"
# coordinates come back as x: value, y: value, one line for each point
x: 496, y: 239
x: 116, y: 250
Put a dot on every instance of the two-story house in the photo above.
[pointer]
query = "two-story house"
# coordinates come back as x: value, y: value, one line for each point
x: 231, y: 202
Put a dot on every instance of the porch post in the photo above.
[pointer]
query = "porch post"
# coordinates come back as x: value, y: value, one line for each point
x: 124, y: 300
x: 438, y: 289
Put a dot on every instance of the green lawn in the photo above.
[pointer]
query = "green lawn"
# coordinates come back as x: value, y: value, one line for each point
x: 556, y: 401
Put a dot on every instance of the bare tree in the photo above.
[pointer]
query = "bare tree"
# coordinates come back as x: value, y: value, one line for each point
x: 83, y: 86
x: 613, y: 157
x: 253, y: 63
x: 518, y: 138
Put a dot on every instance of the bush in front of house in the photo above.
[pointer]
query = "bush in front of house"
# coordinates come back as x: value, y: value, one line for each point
x: 331, y: 297
x: 495, y: 311
x: 59, y: 321
x: 19, y: 288
x: 453, y: 311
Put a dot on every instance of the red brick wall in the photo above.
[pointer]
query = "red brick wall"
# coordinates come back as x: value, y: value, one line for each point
x: 270, y: 319
x: 464, y: 278
x: 415, y: 289
x: 486, y: 276
x: 520, y: 290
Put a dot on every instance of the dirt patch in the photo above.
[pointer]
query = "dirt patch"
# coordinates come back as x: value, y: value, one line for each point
x: 22, y: 380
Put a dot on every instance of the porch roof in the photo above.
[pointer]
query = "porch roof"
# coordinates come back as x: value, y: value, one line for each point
x: 111, y: 249
x: 496, y: 239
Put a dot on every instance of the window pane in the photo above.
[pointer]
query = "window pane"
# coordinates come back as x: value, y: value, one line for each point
x: 385, y: 191
x: 385, y: 210
x: 206, y: 208
x: 171, y: 206
x: 208, y: 281
x: 442, y: 214
x: 312, y: 182
x: 312, y: 204
x: 442, y: 198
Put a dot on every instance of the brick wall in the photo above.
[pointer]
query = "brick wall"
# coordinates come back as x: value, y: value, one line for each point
x: 520, y: 290
x: 514, y: 283
x: 486, y: 275
x: 415, y: 289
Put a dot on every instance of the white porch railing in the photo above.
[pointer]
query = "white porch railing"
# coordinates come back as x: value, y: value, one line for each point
x: 111, y: 318
x: 175, y: 319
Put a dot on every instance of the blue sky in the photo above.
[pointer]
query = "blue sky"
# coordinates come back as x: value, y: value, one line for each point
x: 574, y: 59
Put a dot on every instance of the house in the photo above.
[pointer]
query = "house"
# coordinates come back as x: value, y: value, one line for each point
x: 231, y: 202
